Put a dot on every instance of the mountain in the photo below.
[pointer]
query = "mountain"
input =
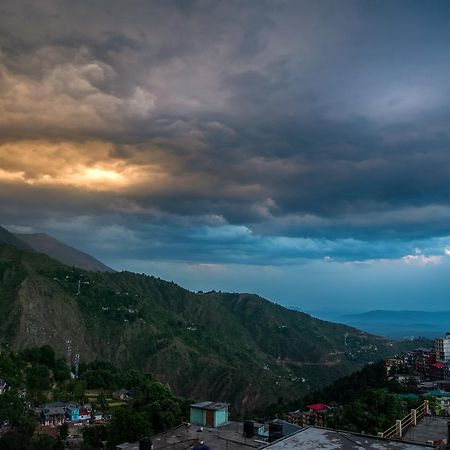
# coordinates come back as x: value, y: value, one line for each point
x: 230, y: 347
x: 9, y: 238
x: 400, y: 324
x: 43, y: 243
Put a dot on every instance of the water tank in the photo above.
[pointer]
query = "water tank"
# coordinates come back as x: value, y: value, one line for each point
x: 145, y: 444
x: 275, y: 431
x: 249, y: 429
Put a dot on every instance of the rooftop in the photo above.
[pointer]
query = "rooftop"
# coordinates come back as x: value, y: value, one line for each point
x: 317, y: 407
x: 430, y: 428
x: 226, y: 437
x: 229, y: 437
x: 314, y: 438
x: 210, y: 405
x: 438, y: 393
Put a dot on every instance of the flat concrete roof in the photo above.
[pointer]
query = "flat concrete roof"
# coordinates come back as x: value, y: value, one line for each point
x: 314, y: 438
x: 430, y: 428
x: 225, y: 437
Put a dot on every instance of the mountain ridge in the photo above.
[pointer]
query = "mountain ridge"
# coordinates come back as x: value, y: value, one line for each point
x: 64, y: 253
x: 231, y: 347
x: 9, y: 238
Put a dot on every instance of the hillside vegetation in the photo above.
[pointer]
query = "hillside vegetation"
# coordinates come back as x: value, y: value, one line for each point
x: 230, y: 347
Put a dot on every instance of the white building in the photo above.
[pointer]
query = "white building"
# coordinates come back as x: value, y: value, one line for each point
x: 442, y: 348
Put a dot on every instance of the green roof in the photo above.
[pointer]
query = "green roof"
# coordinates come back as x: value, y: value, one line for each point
x: 409, y: 396
x: 438, y: 393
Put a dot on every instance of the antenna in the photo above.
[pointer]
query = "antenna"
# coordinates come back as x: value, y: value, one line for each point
x: 69, y: 352
x: 79, y: 287
x: 77, y: 364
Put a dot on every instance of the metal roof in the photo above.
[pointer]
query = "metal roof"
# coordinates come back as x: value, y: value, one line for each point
x: 211, y: 406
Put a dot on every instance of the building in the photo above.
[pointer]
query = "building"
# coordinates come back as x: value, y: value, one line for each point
x: 437, y: 371
x: 84, y: 415
x: 209, y: 414
x: 122, y: 394
x: 315, y: 415
x: 53, y: 414
x: 442, y: 348
x: 97, y: 417
x: 73, y: 413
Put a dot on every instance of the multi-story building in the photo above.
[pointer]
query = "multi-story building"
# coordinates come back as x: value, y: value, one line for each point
x: 442, y: 348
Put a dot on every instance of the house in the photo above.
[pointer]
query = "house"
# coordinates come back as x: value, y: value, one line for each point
x: 97, y: 417
x: 122, y: 394
x: 437, y: 371
x: 315, y: 414
x: 53, y: 413
x: 73, y: 413
x: 3, y: 386
x: 84, y: 415
x: 209, y: 414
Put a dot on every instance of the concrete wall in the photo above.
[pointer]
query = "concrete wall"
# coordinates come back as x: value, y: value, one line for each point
x: 220, y: 417
x: 198, y: 417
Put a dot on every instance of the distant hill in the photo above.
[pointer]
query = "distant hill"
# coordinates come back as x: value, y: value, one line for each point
x: 43, y: 243
x: 9, y: 238
x: 401, y: 323
x: 230, y: 347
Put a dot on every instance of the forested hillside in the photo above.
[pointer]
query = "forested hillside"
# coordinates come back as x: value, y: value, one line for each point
x: 232, y: 347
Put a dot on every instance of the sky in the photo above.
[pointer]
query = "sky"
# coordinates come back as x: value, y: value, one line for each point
x: 296, y: 149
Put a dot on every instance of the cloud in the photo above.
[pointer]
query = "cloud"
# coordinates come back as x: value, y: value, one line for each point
x: 68, y: 90
x: 250, y: 134
x: 422, y: 259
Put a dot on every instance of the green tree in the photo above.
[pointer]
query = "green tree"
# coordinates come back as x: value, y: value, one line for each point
x: 47, y: 356
x: 46, y: 442
x: 11, y: 407
x: 63, y: 431
x: 38, y: 377
x: 20, y: 436
x: 127, y: 426
x: 374, y: 411
x: 93, y: 436
x: 102, y: 403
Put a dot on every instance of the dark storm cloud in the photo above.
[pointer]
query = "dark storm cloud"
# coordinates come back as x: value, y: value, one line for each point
x: 229, y: 131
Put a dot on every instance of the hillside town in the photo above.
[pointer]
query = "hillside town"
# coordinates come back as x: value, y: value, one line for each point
x: 426, y: 372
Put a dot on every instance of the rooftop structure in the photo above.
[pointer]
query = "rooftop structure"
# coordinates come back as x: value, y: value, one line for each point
x: 209, y: 414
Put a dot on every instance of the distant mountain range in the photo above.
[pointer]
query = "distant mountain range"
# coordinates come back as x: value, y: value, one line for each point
x: 232, y: 347
x: 9, y: 238
x: 43, y: 243
x: 401, y: 324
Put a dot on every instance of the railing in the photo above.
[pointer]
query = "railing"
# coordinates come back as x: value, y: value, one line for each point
x: 397, y: 430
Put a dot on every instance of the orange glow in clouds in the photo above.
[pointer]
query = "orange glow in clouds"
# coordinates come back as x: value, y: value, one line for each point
x: 86, y: 165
